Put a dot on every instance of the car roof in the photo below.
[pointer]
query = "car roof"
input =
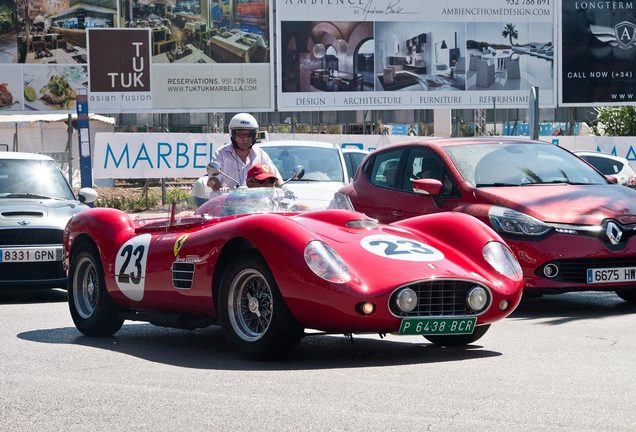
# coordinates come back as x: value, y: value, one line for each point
x: 354, y: 150
x: 25, y: 156
x: 297, y: 143
x: 604, y: 155
x: 448, y: 142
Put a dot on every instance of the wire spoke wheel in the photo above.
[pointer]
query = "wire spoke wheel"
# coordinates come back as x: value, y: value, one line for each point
x: 93, y: 311
x: 253, y: 314
x: 86, y: 285
x: 250, y: 305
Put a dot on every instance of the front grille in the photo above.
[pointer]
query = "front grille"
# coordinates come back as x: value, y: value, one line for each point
x: 31, y: 236
x: 31, y: 271
x: 438, y: 298
x: 575, y: 270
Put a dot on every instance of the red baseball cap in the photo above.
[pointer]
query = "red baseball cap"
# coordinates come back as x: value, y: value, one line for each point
x: 260, y: 172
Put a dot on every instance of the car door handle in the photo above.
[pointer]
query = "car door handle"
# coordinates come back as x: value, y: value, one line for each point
x: 396, y: 212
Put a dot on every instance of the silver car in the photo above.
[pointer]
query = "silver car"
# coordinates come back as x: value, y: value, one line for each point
x: 36, y: 202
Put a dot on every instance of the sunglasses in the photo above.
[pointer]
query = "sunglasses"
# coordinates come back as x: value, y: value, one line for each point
x: 243, y: 134
x: 270, y: 180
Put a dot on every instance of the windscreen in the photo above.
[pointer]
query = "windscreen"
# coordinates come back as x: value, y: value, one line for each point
x: 19, y: 177
x: 320, y: 163
x: 515, y: 164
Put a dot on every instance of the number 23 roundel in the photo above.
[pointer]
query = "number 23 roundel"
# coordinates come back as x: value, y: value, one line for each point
x: 400, y: 248
x: 130, y: 266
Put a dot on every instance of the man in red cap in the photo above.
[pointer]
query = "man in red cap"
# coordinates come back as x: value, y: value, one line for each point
x: 261, y: 175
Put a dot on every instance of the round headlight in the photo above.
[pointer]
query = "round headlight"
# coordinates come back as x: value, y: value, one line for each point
x: 477, y: 298
x: 406, y: 300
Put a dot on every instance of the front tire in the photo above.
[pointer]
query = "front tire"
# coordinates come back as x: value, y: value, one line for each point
x: 254, y: 317
x: 93, y: 311
x: 629, y: 295
x: 458, y: 340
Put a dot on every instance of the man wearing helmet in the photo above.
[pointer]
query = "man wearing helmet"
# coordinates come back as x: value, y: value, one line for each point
x: 239, y: 156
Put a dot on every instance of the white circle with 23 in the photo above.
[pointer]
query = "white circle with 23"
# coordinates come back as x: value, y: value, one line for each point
x: 400, y: 248
x: 130, y: 266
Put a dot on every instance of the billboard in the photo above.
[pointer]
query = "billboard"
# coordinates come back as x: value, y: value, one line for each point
x: 183, y: 55
x: 387, y: 54
x: 598, y: 55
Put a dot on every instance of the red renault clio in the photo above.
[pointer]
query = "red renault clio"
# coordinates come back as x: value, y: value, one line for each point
x: 570, y: 227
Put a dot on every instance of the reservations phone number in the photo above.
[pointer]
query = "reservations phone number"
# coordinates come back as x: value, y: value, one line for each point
x: 528, y: 2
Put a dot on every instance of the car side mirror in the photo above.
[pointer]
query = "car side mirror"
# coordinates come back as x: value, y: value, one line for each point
x: 427, y: 186
x: 431, y: 187
x: 612, y: 179
x: 87, y: 195
x: 213, y: 169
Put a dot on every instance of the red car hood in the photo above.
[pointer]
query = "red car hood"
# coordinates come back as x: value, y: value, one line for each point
x: 570, y: 204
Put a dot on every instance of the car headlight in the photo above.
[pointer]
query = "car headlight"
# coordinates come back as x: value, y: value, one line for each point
x: 326, y: 263
x: 477, y: 298
x: 513, y: 222
x: 503, y: 260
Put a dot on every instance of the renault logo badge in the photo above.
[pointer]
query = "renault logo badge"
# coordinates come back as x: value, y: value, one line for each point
x: 614, y: 233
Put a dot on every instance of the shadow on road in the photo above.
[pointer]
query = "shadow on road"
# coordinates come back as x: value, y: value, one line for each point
x: 561, y: 308
x: 207, y: 349
x: 27, y: 296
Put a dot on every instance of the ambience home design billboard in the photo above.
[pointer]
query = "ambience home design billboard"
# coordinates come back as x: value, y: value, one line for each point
x: 383, y: 54
x: 148, y: 55
x: 598, y: 58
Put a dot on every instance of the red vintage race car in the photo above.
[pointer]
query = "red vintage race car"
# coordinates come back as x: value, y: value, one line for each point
x: 265, y: 276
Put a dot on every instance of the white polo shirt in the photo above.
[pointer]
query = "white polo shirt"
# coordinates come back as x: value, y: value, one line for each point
x: 233, y: 165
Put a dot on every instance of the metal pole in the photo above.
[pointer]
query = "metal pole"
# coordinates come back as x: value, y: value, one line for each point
x: 533, y: 113
x: 15, y: 138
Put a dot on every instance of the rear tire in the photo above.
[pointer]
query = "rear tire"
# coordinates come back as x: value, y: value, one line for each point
x: 458, y: 340
x: 253, y: 315
x: 629, y: 295
x: 93, y: 311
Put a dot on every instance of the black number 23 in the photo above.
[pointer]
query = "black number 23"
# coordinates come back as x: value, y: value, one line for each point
x: 127, y: 253
x: 401, y: 247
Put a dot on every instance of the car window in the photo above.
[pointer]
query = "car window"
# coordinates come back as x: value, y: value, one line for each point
x: 604, y: 165
x: 20, y: 176
x: 383, y: 171
x: 353, y: 160
x: 423, y: 163
x: 320, y: 163
x: 517, y: 164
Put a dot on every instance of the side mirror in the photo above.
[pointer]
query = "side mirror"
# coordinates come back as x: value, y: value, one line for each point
x: 87, y: 195
x: 298, y: 173
x: 213, y: 169
x: 427, y: 186
x: 612, y: 179
x: 432, y: 187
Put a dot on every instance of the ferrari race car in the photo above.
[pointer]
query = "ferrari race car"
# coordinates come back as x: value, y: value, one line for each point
x: 265, y: 274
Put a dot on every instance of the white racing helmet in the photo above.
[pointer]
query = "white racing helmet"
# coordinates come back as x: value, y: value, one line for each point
x: 243, y: 121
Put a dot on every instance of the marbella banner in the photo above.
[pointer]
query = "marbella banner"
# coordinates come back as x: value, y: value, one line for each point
x: 390, y: 54
x: 136, y: 55
x: 598, y: 55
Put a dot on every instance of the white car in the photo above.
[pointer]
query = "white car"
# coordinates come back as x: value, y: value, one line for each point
x: 325, y: 169
x: 36, y: 202
x: 611, y: 165
x: 353, y: 159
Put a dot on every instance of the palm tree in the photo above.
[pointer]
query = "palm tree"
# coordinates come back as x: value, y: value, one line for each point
x: 510, y: 32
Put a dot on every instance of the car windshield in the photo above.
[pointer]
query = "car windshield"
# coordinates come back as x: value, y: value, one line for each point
x: 32, y: 178
x: 244, y: 200
x: 517, y: 164
x: 320, y: 163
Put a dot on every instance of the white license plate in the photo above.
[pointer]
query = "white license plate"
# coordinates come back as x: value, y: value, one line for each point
x: 31, y: 254
x: 609, y: 275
